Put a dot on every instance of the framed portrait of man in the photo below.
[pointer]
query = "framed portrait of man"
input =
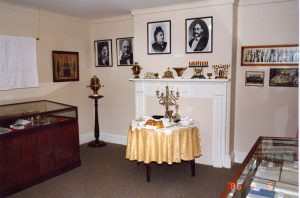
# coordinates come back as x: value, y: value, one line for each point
x: 103, y: 53
x: 199, y: 35
x: 125, y: 51
x: 159, y: 37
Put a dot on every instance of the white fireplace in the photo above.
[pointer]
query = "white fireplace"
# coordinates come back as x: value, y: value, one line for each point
x: 218, y: 91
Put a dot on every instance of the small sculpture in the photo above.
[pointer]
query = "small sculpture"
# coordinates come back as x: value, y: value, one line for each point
x: 179, y: 71
x: 95, y: 85
x: 168, y: 74
x: 136, y: 69
x: 221, y: 71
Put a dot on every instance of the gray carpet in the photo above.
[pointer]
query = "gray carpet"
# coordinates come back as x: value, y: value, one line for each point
x: 105, y: 173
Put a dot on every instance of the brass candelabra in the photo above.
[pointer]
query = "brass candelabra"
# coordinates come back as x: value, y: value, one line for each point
x: 168, y: 99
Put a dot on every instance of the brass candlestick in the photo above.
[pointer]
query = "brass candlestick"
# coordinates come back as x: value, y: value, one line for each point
x: 168, y: 99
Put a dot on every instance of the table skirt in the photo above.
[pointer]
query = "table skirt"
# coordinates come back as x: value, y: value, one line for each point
x: 153, y: 145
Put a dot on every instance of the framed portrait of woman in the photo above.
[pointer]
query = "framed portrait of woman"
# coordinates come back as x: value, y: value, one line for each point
x: 199, y: 35
x: 159, y: 37
x: 103, y: 53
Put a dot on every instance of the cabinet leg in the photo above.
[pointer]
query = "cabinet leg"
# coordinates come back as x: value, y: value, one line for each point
x: 193, y: 168
x: 148, y: 170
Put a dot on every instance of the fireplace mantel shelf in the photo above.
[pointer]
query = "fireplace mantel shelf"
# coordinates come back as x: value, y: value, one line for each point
x: 216, y: 89
x: 179, y: 80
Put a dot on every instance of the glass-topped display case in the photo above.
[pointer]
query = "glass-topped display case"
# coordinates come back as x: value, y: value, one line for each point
x: 38, y: 140
x: 269, y: 170
x: 32, y: 114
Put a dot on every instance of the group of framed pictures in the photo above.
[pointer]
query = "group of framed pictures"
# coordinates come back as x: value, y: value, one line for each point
x: 103, y: 52
x: 198, y: 37
x: 271, y: 55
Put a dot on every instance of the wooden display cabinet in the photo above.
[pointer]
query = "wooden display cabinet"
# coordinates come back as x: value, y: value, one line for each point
x: 46, y: 147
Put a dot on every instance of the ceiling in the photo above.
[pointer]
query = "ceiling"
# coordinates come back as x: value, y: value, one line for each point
x: 94, y: 9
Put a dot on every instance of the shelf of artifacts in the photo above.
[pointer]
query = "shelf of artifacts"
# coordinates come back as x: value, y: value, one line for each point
x: 220, y: 73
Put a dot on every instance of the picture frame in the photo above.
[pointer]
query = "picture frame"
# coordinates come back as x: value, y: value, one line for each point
x: 255, y: 78
x: 199, y: 35
x: 270, y: 55
x: 159, y: 37
x: 284, y: 77
x: 124, y: 48
x: 65, y: 66
x: 103, y: 53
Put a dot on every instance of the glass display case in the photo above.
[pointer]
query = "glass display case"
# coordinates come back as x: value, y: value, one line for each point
x: 269, y: 170
x: 38, y: 140
x: 33, y: 114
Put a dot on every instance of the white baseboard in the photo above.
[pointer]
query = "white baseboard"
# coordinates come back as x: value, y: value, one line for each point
x: 106, y: 137
x: 239, y: 157
x: 228, y: 160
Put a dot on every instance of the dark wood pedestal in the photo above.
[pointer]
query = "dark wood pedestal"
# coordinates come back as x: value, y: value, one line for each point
x: 96, y: 142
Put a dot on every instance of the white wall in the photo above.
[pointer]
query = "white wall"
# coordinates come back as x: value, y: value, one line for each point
x: 56, y: 32
x: 264, y: 111
x: 116, y: 109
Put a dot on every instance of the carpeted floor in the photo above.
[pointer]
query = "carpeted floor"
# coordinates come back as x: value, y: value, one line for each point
x: 105, y: 173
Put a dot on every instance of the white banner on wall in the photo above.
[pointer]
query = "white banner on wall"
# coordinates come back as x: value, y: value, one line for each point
x: 18, y: 62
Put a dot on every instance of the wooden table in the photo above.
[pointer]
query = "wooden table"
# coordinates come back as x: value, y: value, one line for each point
x: 169, y: 145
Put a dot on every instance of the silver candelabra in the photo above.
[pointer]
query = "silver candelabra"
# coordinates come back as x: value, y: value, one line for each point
x: 168, y: 99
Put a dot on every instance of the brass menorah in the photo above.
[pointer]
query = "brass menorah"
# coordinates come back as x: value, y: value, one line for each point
x: 168, y: 99
x: 221, y: 71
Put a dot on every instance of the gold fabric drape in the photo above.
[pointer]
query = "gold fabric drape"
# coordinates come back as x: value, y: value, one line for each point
x: 153, y: 145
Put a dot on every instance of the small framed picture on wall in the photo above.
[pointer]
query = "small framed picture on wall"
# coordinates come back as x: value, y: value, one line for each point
x: 159, y: 37
x: 284, y: 77
x: 103, y: 53
x: 255, y: 78
x: 124, y: 51
x: 199, y: 35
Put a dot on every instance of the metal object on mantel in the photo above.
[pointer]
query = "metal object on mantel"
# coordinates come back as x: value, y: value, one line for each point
x: 95, y: 85
x: 167, y: 100
x: 221, y: 71
x: 168, y: 74
x: 136, y: 69
x: 179, y: 71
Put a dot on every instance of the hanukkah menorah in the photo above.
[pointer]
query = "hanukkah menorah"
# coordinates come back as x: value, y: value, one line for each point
x: 168, y: 99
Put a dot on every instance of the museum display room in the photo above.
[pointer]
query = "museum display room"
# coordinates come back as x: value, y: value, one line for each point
x: 147, y: 81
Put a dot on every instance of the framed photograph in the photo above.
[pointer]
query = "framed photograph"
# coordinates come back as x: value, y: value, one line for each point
x: 159, y: 37
x: 65, y: 66
x: 103, y: 53
x: 199, y: 35
x: 270, y: 55
x: 255, y: 78
x: 124, y: 51
x: 284, y: 77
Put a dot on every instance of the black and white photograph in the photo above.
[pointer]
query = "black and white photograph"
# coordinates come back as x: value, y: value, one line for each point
x: 284, y: 77
x: 255, y: 78
x: 199, y: 33
x: 270, y: 55
x: 103, y: 53
x: 124, y: 51
x: 159, y: 37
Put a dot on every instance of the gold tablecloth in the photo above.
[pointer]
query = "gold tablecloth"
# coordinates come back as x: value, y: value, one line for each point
x: 154, y: 145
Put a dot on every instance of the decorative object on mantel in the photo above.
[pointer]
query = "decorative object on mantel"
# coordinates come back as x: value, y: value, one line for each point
x: 168, y: 74
x: 179, y: 71
x: 136, y: 69
x: 221, y: 71
x: 198, y: 66
x: 167, y: 100
x: 151, y: 75
x: 95, y: 85
x: 209, y: 75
